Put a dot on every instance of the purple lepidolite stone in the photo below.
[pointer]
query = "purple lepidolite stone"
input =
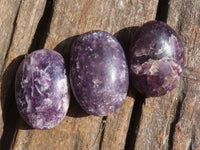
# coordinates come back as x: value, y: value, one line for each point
x: 42, y: 90
x: 156, y: 59
x: 98, y: 73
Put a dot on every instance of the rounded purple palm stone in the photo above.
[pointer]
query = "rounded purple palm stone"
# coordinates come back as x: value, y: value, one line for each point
x: 41, y: 89
x: 156, y: 59
x: 98, y: 73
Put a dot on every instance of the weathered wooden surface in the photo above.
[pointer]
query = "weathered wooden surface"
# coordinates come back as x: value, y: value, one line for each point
x: 186, y: 133
x: 167, y: 122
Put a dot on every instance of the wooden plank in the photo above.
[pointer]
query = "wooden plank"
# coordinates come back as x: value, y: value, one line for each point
x: 8, y: 12
x: 116, y: 127
x: 6, y: 27
x: 7, y: 23
x: 156, y: 118
x: 25, y: 21
x: 184, y: 17
x: 171, y: 121
x: 79, y: 131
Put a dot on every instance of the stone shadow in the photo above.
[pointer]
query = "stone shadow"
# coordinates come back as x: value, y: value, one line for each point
x: 64, y: 48
x: 126, y: 38
x: 11, y: 118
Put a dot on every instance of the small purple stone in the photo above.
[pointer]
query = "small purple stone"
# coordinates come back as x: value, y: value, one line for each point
x: 41, y: 89
x: 156, y: 59
x: 98, y: 73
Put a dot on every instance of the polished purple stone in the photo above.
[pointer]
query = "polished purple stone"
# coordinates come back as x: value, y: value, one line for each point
x: 98, y: 73
x: 156, y: 59
x: 42, y: 90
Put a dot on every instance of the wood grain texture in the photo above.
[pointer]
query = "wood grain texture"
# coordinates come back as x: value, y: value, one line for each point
x: 186, y: 20
x: 27, y: 20
x: 72, y: 18
x: 167, y: 122
x: 8, y: 12
x: 116, y: 127
x: 170, y: 121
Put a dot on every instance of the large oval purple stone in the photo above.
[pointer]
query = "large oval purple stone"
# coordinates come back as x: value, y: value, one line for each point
x: 98, y: 73
x: 42, y: 91
x: 156, y: 59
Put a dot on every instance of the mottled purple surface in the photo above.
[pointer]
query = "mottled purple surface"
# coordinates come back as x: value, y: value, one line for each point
x: 98, y: 73
x: 156, y: 59
x: 42, y: 91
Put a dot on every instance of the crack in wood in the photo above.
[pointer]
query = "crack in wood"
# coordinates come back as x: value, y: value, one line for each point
x: 14, y: 139
x: 162, y: 10
x: 8, y: 104
x: 135, y: 121
x: 192, y: 140
x: 100, y: 133
x: 190, y: 147
x: 173, y: 126
x: 43, y: 28
x: 102, y: 130
x: 11, y: 39
x: 182, y: 96
x: 38, y: 42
